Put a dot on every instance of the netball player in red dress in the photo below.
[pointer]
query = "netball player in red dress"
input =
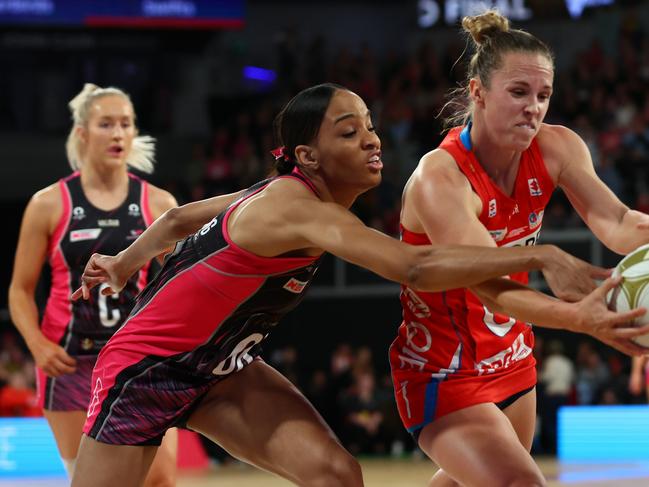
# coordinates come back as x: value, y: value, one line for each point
x: 462, y: 364
x: 100, y: 207
x: 189, y: 352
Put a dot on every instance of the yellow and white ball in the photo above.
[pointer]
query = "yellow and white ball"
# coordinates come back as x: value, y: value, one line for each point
x: 633, y: 291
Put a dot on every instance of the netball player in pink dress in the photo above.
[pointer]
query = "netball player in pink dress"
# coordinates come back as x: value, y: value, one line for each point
x: 100, y: 207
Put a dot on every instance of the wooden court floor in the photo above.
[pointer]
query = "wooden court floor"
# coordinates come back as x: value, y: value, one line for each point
x: 396, y: 473
x: 415, y: 473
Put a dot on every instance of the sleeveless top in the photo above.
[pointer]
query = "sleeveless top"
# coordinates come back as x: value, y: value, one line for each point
x: 83, y: 327
x: 452, y: 334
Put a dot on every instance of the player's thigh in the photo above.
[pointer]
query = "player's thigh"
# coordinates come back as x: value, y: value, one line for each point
x: 67, y: 427
x: 478, y: 446
x: 522, y: 415
x: 261, y: 418
x: 164, y: 467
x: 103, y: 465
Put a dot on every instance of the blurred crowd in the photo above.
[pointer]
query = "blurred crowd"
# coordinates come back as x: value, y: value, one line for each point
x: 603, y: 95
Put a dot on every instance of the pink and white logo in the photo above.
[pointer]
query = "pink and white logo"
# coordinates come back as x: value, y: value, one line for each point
x: 84, y: 234
x: 95, y: 397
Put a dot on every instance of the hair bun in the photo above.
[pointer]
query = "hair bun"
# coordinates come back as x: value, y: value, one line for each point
x: 482, y: 27
x: 78, y: 101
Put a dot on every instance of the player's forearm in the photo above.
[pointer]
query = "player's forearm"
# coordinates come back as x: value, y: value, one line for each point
x: 525, y: 304
x: 160, y: 236
x: 24, y: 314
x: 450, y: 267
x: 624, y: 236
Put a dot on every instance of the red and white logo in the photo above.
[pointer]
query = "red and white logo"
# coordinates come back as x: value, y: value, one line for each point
x: 535, y: 188
x: 295, y: 286
x: 492, y: 208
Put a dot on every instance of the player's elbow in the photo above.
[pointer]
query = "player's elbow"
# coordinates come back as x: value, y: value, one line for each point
x: 174, y: 220
x: 421, y: 270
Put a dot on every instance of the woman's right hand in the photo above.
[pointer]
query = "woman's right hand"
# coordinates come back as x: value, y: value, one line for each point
x: 51, y: 357
x: 102, y: 269
x: 615, y: 329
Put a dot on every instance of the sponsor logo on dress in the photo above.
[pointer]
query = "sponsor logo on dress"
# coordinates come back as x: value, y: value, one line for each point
x: 84, y: 234
x: 134, y: 210
x: 493, y: 209
x: 295, y: 286
x: 516, y: 352
x: 415, y: 304
x: 498, y: 235
x: 108, y: 222
x: 516, y: 232
x: 535, y: 188
x: 95, y: 397
x: 535, y: 219
x: 418, y: 341
x: 78, y: 213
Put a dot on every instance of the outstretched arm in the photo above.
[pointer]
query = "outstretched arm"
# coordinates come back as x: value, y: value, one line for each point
x: 427, y: 267
x: 174, y: 224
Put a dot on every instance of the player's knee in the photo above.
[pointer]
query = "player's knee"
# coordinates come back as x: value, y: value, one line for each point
x: 338, y: 469
x: 526, y: 479
x: 160, y: 479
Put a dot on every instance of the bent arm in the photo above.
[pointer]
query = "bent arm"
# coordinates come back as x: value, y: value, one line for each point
x: 175, y: 224
x: 618, y: 227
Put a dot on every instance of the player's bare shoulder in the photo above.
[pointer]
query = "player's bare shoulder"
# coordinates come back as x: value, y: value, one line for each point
x: 436, y: 168
x: 290, y: 197
x: 46, y: 207
x: 160, y: 200
x: 557, y: 140
x: 560, y: 146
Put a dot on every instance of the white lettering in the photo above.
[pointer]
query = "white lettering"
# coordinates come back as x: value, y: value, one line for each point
x: 417, y: 329
x: 576, y: 7
x: 429, y: 10
x: 428, y: 13
x: 516, y: 352
x: 170, y: 8
x: 27, y: 7
x: 239, y: 357
x: 108, y: 317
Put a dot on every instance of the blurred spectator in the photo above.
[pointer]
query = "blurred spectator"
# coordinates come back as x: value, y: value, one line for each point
x: 592, y: 373
x: 361, y: 408
x: 557, y: 377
